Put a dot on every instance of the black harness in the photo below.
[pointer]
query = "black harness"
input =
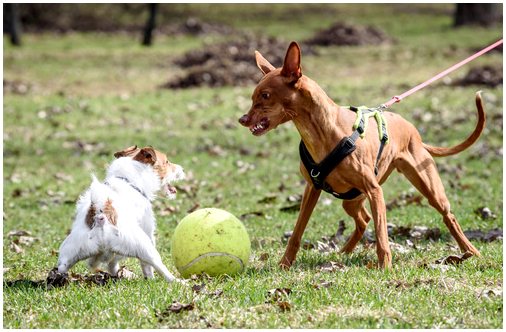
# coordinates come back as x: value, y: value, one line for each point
x: 131, y: 185
x: 319, y: 171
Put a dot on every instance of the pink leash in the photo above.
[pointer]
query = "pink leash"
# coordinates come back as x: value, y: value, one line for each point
x: 397, y: 99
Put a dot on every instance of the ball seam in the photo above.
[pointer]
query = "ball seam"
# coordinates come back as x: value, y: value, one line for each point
x: 211, y: 254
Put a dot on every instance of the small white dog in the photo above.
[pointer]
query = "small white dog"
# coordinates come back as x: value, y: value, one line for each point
x: 114, y: 219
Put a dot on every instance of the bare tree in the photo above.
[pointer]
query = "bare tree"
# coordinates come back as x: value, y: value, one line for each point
x: 150, y: 24
x: 484, y: 14
x: 11, y: 16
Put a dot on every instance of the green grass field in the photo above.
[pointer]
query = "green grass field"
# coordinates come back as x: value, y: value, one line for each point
x: 91, y: 94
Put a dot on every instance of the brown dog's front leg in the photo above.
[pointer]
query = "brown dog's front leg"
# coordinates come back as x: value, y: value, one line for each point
x: 379, y: 215
x: 307, y: 205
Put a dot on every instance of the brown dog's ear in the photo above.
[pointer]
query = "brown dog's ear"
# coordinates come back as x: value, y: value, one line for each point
x: 264, y: 65
x: 146, y: 155
x: 291, y: 66
x: 126, y: 152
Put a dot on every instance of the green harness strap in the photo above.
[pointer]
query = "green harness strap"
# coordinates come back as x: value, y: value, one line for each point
x: 363, y: 115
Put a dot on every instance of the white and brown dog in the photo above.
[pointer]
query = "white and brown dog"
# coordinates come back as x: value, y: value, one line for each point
x: 114, y: 219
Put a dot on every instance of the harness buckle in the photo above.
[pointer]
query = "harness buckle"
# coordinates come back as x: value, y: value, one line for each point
x: 313, y: 175
x: 349, y: 143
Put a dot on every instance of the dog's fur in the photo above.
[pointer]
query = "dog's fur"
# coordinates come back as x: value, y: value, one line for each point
x: 285, y: 94
x: 114, y: 219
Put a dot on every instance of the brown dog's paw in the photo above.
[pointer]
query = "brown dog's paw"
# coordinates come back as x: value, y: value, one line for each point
x: 285, y: 263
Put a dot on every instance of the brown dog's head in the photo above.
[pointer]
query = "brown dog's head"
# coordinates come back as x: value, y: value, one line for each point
x: 276, y: 93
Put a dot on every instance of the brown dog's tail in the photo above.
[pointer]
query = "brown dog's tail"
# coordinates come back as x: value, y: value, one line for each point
x: 436, y: 151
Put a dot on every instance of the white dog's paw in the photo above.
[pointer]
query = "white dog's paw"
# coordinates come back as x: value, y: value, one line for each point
x: 182, y: 282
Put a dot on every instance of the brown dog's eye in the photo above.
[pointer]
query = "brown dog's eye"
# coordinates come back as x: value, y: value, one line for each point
x: 266, y: 95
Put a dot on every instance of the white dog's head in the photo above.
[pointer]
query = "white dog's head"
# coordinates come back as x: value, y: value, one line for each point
x: 166, y: 171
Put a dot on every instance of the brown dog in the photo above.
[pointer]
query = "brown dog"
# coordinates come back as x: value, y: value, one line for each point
x: 285, y: 94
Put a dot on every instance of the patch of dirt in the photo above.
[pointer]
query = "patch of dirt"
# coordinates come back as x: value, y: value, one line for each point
x: 497, y: 49
x: 230, y: 63
x: 39, y: 17
x: 343, y: 34
x: 495, y: 234
x: 17, y: 87
x: 175, y: 308
x: 405, y: 198
x: 483, y: 75
x: 195, y: 27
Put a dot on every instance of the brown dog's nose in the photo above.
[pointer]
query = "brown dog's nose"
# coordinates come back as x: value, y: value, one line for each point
x: 244, y: 119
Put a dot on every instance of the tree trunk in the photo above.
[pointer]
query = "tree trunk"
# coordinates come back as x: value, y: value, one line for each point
x: 483, y: 14
x: 150, y: 25
x: 13, y: 22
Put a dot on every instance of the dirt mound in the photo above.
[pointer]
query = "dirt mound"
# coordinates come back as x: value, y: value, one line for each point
x: 484, y: 75
x: 230, y: 63
x: 347, y: 35
x: 17, y: 87
x: 195, y: 27
x: 497, y: 49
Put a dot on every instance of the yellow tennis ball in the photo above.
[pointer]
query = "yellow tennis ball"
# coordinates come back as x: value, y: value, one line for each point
x: 210, y: 240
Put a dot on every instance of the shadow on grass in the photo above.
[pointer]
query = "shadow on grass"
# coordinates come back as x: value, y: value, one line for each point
x: 58, y: 280
x: 25, y: 284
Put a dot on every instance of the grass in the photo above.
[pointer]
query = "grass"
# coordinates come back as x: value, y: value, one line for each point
x: 93, y: 94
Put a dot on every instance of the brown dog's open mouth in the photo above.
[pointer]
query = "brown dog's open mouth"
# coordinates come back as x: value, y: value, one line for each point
x: 260, y: 128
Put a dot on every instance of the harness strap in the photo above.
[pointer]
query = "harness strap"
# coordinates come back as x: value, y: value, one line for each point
x: 131, y: 185
x: 363, y: 115
x: 319, y: 171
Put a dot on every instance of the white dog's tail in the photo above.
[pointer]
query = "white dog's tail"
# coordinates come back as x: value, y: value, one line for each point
x: 98, y: 192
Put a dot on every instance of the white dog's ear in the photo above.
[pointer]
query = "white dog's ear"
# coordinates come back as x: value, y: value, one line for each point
x: 126, y: 152
x: 264, y: 65
x: 146, y: 155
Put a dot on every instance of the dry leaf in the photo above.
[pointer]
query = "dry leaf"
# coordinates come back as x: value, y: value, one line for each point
x: 100, y: 278
x: 326, y: 247
x: 322, y: 284
x: 492, y: 235
x: 177, y: 307
x: 290, y: 208
x: 307, y: 245
x: 268, y: 199
x: 371, y: 265
x: 56, y: 279
x: 124, y: 273
x: 18, y: 233
x: 441, y: 267
x: 198, y: 288
x: 15, y: 248
x: 263, y: 257
x: 404, y: 199
x: 454, y: 259
x: 398, y: 248
x: 251, y: 214
x: 25, y: 240
x: 294, y: 198
x: 332, y: 267
x: 284, y: 305
x: 278, y: 294
x: 193, y: 208
x: 489, y: 293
